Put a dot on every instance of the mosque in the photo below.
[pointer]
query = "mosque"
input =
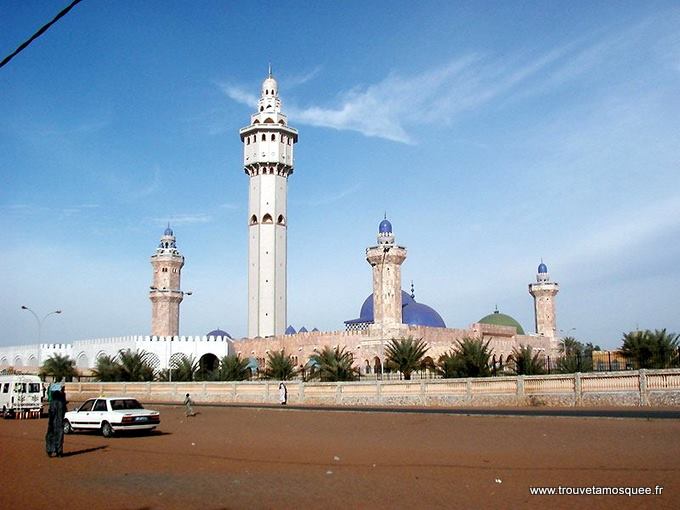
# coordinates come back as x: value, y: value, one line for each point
x: 389, y: 312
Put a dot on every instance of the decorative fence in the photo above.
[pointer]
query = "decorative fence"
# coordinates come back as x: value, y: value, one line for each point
x: 632, y: 388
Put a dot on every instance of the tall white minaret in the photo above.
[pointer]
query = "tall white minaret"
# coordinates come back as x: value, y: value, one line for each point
x: 268, y: 161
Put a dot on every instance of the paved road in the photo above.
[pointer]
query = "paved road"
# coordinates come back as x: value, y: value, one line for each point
x: 579, y: 412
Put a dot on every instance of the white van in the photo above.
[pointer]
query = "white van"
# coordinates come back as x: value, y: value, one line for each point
x: 20, y: 395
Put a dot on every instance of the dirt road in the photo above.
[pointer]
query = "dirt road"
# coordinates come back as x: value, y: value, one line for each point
x: 285, y: 458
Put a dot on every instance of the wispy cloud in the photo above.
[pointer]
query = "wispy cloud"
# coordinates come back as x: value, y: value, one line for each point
x: 183, y: 219
x: 300, y: 79
x: 334, y: 197
x: 393, y: 107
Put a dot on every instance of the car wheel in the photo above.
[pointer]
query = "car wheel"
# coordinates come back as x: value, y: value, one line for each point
x: 107, y: 430
x: 68, y: 429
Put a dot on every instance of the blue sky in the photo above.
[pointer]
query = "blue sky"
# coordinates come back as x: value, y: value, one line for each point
x: 493, y: 134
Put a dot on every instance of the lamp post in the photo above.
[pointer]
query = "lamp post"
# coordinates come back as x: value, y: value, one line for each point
x: 39, y: 320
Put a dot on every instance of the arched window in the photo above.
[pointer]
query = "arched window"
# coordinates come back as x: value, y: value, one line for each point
x: 267, y: 218
x: 268, y: 120
x: 281, y: 220
x: 273, y: 137
x: 256, y: 121
x: 261, y: 108
x: 282, y: 123
x: 264, y: 138
x: 253, y: 220
x: 248, y: 140
x: 289, y: 141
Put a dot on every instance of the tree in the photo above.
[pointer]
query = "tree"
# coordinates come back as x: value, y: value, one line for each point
x: 59, y: 367
x: 651, y: 349
x: 134, y: 366
x: 333, y: 364
x: 184, y: 368
x: 107, y: 369
x: 525, y: 362
x: 576, y: 357
x: 233, y: 368
x: 279, y: 366
x: 406, y: 354
x: 470, y: 358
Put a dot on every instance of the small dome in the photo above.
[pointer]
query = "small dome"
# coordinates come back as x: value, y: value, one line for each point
x: 500, y: 319
x: 269, y: 86
x: 168, y: 232
x: 542, y: 268
x: 218, y: 332
x: 303, y: 330
x: 385, y: 227
x: 418, y: 314
x: 290, y: 330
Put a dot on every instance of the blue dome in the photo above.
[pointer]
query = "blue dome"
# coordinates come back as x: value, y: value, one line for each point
x: 542, y: 268
x: 385, y: 227
x: 168, y: 232
x: 418, y: 314
x: 303, y: 330
x: 290, y: 330
x: 367, y: 308
x: 219, y: 332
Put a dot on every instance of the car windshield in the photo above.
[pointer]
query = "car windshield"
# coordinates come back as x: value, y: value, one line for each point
x: 126, y: 403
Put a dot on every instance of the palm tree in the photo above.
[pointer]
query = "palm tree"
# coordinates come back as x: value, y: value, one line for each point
x: 107, y: 369
x: 333, y: 364
x: 134, y: 366
x: 576, y: 357
x: 470, y: 358
x: 525, y: 362
x: 651, y: 349
x: 59, y: 367
x: 233, y: 368
x: 279, y: 366
x: 184, y: 368
x: 406, y: 354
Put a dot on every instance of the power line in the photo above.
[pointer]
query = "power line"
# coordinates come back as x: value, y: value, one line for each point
x: 40, y: 32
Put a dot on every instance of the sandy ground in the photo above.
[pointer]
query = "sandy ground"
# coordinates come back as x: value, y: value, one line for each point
x: 286, y: 458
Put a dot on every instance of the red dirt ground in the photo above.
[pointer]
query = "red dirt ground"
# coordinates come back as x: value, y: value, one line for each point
x: 286, y: 458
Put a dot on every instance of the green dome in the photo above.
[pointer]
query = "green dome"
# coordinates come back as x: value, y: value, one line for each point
x: 500, y: 319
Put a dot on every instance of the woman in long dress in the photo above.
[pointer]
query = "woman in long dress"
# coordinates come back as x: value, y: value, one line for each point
x: 283, y: 394
x: 54, y: 439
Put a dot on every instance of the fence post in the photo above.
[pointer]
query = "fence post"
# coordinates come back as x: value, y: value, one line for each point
x: 378, y: 389
x: 468, y: 389
x: 301, y: 392
x: 644, y: 397
x: 520, y: 389
x: 578, y: 389
x: 338, y: 393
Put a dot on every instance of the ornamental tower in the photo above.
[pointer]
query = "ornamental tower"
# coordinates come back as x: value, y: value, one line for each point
x: 544, y: 292
x: 165, y: 294
x: 386, y: 259
x: 268, y: 161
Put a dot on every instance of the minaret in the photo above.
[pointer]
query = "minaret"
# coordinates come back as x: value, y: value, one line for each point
x: 165, y: 294
x: 386, y: 259
x: 268, y: 161
x: 544, y: 292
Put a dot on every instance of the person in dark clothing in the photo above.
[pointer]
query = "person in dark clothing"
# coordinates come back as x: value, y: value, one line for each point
x: 54, y: 439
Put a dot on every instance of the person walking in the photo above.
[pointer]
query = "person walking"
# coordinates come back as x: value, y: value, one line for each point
x: 283, y: 394
x: 54, y: 439
x: 189, y: 405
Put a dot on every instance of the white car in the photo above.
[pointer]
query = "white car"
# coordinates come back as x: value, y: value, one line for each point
x: 111, y: 414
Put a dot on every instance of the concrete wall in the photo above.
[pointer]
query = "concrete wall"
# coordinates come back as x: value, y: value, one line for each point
x: 633, y: 388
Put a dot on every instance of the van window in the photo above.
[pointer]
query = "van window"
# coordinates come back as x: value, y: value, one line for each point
x: 34, y: 387
x: 19, y: 387
x: 100, y: 405
x: 5, y: 388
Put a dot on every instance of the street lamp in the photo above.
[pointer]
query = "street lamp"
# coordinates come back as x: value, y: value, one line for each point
x: 39, y: 320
